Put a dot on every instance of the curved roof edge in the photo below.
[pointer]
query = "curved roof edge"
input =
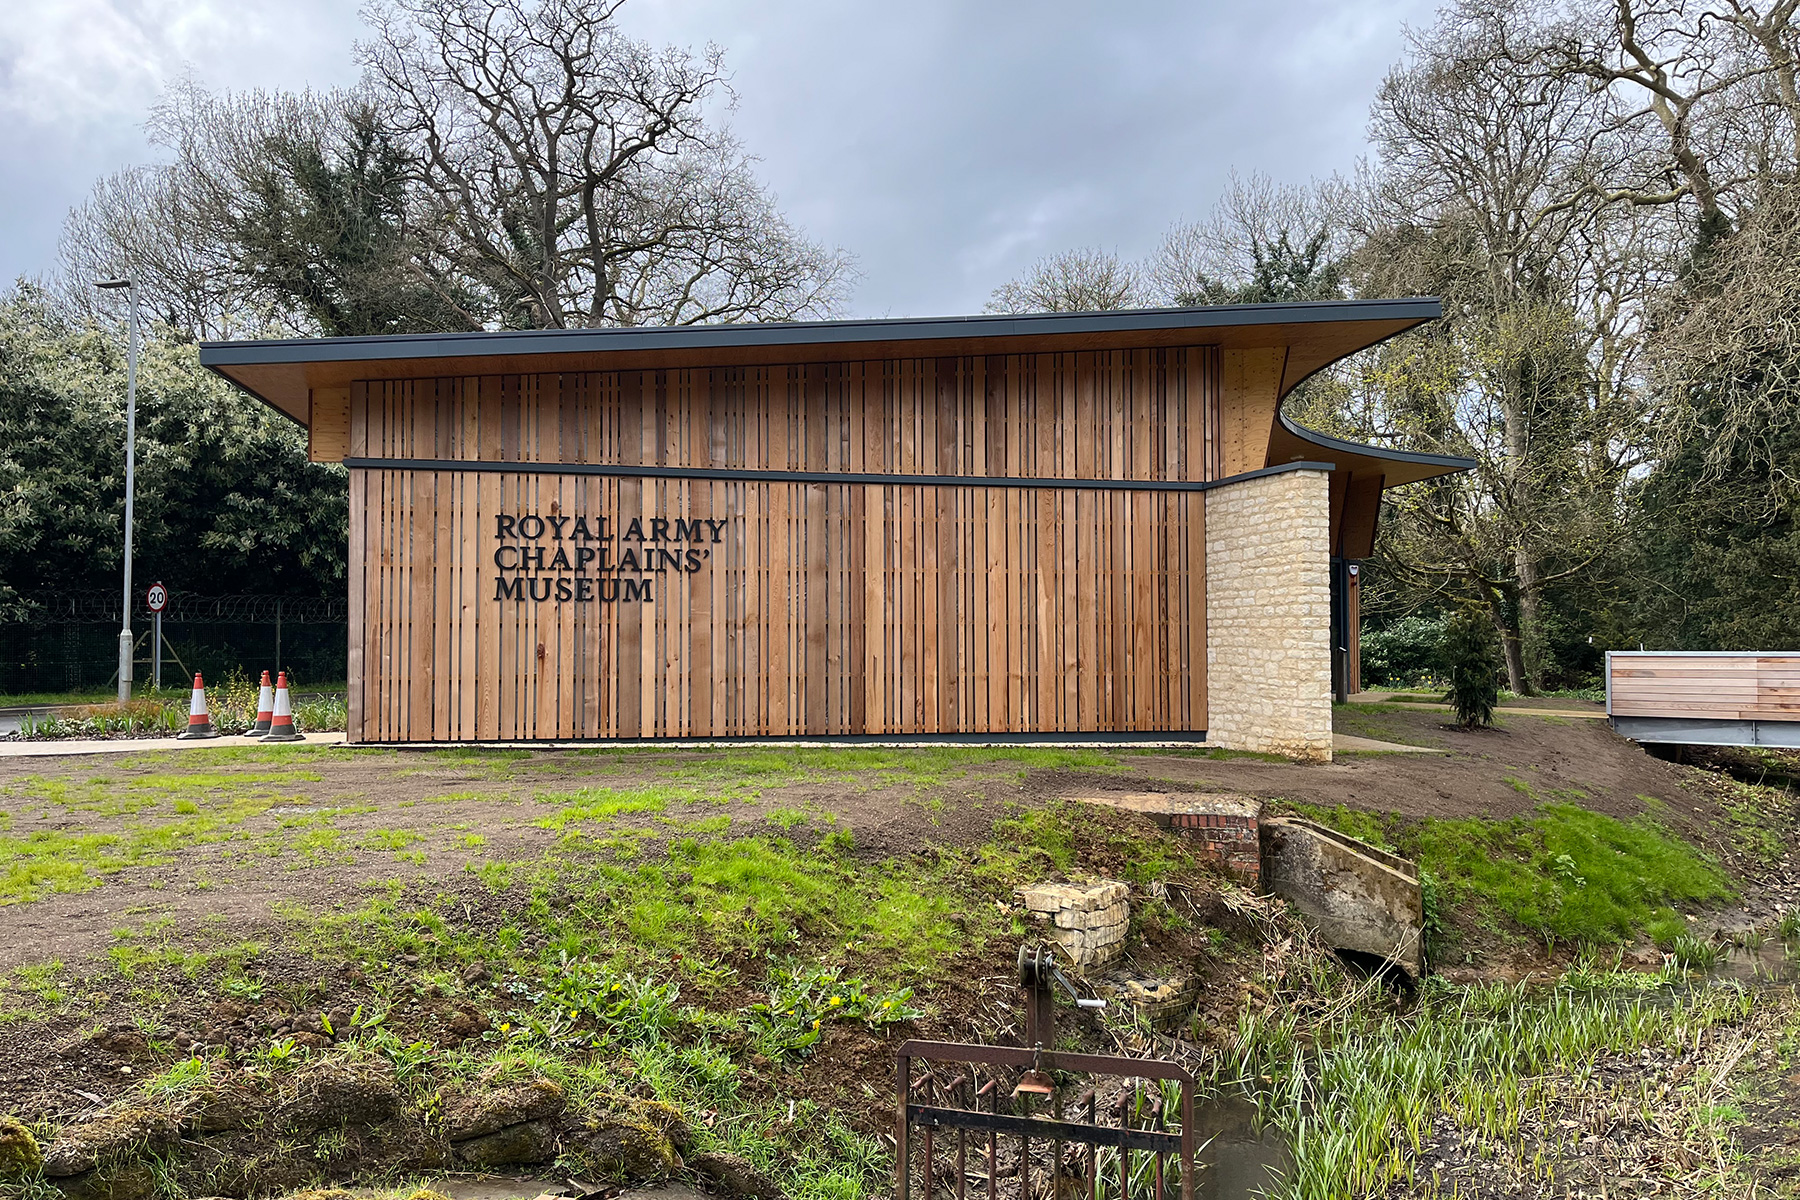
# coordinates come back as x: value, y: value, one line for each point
x: 616, y: 339
x: 1412, y: 465
x: 1449, y: 462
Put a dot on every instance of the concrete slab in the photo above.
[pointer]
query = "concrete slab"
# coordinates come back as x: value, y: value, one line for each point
x: 1358, y: 896
x: 1169, y: 804
x: 69, y: 746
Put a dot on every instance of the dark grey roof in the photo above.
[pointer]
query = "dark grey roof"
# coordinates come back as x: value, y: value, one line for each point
x: 1457, y: 462
x: 805, y: 333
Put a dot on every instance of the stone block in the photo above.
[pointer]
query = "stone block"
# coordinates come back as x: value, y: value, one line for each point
x: 1086, y: 922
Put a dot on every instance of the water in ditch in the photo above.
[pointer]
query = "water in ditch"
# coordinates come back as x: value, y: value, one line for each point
x: 1241, y: 1160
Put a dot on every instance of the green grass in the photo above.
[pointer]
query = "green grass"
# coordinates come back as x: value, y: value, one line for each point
x: 923, y: 766
x: 47, y: 862
x: 111, y: 795
x: 712, y: 896
x: 1749, y: 821
x: 1357, y: 823
x: 1388, y: 723
x: 54, y: 699
x: 390, y: 839
x: 604, y: 804
x: 1696, y: 953
x: 632, y: 902
x: 1214, y: 753
x: 183, y: 762
x: 1360, y: 1092
x: 1562, y: 874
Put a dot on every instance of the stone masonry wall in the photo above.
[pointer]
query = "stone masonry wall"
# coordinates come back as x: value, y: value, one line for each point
x: 1268, y: 615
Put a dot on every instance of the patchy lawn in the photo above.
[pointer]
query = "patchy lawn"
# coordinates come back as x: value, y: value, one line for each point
x: 719, y: 950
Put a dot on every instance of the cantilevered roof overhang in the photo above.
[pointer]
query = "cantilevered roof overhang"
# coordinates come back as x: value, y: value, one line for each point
x: 283, y: 373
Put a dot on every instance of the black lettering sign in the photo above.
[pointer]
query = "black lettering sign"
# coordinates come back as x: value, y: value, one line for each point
x: 547, y: 558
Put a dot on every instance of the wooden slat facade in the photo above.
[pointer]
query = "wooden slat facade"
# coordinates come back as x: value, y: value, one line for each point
x: 815, y: 608
x: 1734, y: 687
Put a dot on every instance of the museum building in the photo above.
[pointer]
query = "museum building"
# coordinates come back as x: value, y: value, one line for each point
x: 1056, y: 527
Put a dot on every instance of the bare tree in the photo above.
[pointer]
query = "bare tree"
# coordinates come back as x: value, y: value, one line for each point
x: 172, y: 226
x: 277, y: 214
x: 1712, y: 87
x: 1530, y: 373
x: 504, y: 163
x: 1726, y: 352
x: 1263, y: 242
x: 1086, y: 280
x: 571, y: 171
x: 134, y: 223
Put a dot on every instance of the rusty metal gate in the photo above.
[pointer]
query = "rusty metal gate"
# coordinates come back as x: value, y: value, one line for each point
x: 1032, y: 1123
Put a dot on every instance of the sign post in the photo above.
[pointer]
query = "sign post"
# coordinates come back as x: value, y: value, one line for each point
x: 157, y: 599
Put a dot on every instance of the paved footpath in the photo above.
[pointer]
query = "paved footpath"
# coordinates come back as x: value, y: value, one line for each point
x: 57, y: 747
x: 1346, y: 743
x: 1500, y: 710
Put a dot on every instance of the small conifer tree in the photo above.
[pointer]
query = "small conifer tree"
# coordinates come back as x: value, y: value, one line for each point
x: 1473, y: 663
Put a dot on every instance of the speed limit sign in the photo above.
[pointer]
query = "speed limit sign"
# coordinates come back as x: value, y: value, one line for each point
x: 157, y: 598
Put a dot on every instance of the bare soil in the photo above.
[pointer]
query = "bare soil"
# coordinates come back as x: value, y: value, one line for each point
x: 440, y: 798
x: 427, y: 823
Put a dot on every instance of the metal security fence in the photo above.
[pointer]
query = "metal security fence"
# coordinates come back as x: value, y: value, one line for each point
x: 71, y: 641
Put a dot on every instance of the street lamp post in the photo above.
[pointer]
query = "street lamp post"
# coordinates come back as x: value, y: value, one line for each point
x: 125, y: 639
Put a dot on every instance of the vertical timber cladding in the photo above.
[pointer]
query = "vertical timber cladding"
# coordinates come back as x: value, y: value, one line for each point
x: 772, y: 608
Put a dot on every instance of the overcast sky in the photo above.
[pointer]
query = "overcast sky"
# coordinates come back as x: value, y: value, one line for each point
x: 947, y: 145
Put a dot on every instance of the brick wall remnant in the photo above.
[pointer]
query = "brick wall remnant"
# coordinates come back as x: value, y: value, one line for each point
x: 1086, y: 921
x: 1224, y: 827
x: 1268, y: 615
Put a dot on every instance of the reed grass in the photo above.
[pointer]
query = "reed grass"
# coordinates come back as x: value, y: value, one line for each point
x: 1358, y: 1087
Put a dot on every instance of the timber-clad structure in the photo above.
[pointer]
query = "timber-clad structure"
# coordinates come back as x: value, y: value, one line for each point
x: 1708, y: 698
x: 989, y: 527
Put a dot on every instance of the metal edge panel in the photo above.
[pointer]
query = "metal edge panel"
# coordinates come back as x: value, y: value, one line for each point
x: 490, y: 466
x: 1103, y: 737
x: 1704, y: 653
x: 1709, y: 731
x: 1451, y: 462
x: 802, y: 333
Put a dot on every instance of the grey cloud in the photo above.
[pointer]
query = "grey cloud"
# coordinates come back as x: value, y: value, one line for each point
x: 946, y: 144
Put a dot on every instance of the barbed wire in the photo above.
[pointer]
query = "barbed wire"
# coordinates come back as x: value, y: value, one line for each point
x: 185, y: 607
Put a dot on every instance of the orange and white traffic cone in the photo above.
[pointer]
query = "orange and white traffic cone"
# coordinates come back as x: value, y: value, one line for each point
x: 281, y: 720
x: 199, y: 719
x: 265, y: 708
